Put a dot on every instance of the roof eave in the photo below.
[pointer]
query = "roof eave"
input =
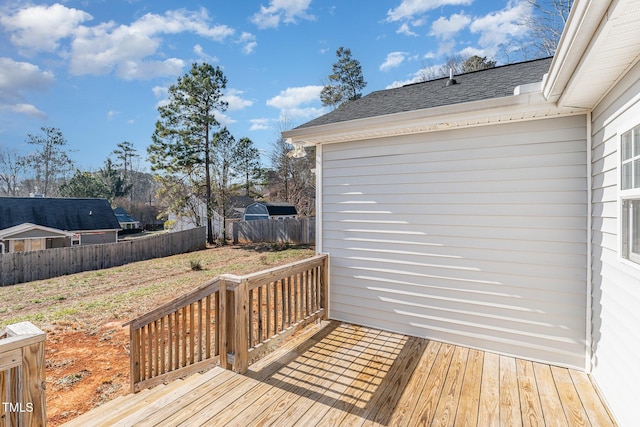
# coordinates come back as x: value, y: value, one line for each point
x: 525, y: 106
x: 583, y: 21
x: 599, y: 45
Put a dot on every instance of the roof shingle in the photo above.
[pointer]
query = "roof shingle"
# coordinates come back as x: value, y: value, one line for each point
x: 479, y: 85
x: 62, y: 214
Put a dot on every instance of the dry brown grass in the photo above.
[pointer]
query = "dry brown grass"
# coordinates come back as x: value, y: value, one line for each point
x: 92, y: 298
x: 87, y: 360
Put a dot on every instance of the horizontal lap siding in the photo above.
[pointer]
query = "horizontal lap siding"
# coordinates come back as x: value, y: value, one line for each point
x: 475, y: 237
x: 616, y: 285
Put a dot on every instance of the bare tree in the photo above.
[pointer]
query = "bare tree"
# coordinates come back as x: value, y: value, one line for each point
x: 50, y: 161
x: 547, y: 24
x: 12, y: 167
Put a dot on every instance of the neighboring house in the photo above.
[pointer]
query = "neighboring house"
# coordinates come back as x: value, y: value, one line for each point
x: 126, y: 221
x: 196, y: 217
x: 500, y: 212
x: 269, y: 210
x: 44, y: 223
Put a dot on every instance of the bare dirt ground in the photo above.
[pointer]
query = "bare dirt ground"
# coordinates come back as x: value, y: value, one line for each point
x: 87, y: 349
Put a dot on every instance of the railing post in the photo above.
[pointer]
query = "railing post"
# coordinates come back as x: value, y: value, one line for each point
x: 222, y: 323
x: 324, y: 287
x: 241, y: 338
x: 27, y: 382
x: 134, y: 357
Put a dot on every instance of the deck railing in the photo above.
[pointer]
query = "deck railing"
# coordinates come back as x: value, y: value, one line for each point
x: 22, y: 376
x: 230, y: 321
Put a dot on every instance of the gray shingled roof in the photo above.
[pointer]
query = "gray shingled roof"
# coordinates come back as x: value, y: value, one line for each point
x: 479, y: 85
x: 61, y: 214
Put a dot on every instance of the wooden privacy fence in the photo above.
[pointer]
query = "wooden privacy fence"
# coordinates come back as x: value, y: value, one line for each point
x: 21, y: 267
x: 22, y: 376
x: 291, y: 230
x: 230, y: 320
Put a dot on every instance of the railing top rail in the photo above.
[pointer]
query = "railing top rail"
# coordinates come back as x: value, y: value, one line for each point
x: 197, y: 294
x: 276, y: 273
x: 213, y: 285
x: 20, y: 335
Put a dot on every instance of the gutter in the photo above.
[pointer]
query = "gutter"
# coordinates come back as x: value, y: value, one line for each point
x: 523, y: 105
x: 584, y: 19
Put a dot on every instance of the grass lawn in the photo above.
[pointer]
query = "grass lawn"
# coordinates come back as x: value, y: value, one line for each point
x: 92, y: 298
x: 87, y: 350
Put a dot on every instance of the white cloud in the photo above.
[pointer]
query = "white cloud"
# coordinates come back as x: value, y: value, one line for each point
x: 295, y: 96
x: 248, y: 41
x: 394, y: 59
x: 146, y: 70
x: 235, y: 101
x: 198, y: 50
x: 287, y: 11
x: 105, y: 47
x: 111, y: 114
x: 40, y: 28
x: 499, y: 27
x: 24, y: 109
x: 224, y: 119
x: 406, y: 30
x: 409, y: 9
x: 445, y: 29
x: 293, y: 102
x: 260, y: 124
x: 131, y: 51
x: 160, y: 91
x: 16, y: 78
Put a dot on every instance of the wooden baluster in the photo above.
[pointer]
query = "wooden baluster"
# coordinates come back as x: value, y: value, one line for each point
x: 184, y: 338
x: 283, y: 293
x: 170, y: 321
x: 252, y: 319
x: 149, y: 350
x: 207, y: 316
x: 276, y: 284
x: 192, y: 333
x: 200, y: 331
x: 162, y: 349
x: 268, y: 310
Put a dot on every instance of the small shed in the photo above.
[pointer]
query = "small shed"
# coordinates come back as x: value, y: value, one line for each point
x: 269, y: 210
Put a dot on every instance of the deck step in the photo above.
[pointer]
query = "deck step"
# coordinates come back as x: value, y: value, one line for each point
x: 112, y: 412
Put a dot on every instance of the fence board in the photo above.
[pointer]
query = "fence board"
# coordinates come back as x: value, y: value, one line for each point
x: 23, y: 267
x: 290, y: 230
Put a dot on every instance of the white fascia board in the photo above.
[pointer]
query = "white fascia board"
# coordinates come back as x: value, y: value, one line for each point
x: 27, y: 226
x: 527, y: 106
x: 578, y: 34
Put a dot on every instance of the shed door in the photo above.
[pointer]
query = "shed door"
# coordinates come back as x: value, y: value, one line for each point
x: 475, y: 237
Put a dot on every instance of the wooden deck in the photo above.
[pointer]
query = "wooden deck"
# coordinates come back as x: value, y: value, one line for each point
x: 350, y: 375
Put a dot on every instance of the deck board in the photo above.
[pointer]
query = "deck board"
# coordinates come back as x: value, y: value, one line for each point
x: 348, y: 375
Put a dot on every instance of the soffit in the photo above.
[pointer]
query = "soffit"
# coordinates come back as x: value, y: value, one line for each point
x: 614, y: 48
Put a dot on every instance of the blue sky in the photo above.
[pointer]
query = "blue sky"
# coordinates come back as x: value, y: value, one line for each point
x: 98, y: 70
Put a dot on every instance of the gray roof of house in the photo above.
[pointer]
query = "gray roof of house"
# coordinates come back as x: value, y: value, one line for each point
x: 61, y: 214
x: 475, y: 86
x: 123, y: 216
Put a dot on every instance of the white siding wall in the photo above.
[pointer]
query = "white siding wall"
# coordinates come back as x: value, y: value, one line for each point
x: 616, y: 284
x: 474, y: 236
